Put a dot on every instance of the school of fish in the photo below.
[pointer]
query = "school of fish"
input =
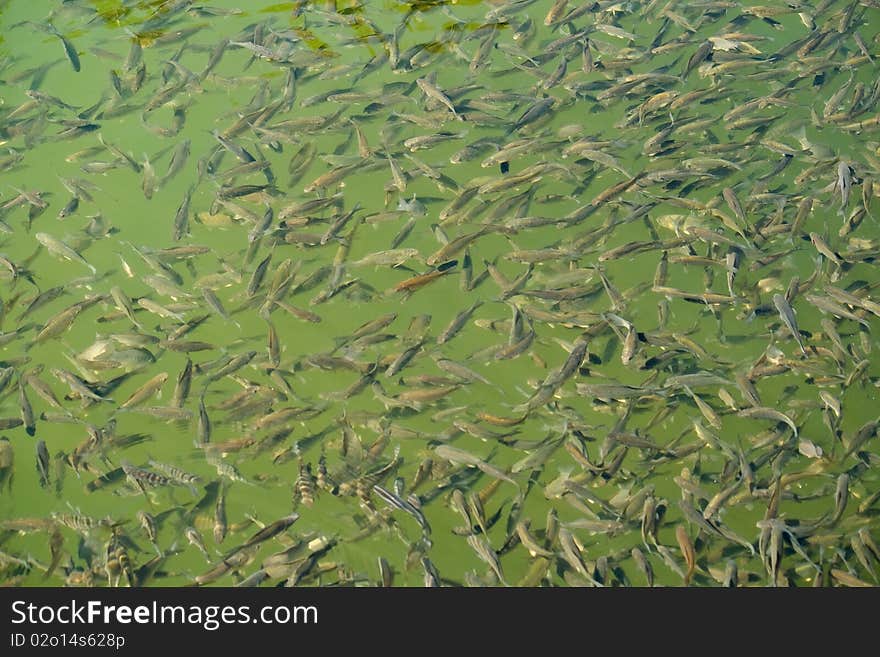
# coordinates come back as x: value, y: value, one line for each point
x: 341, y: 293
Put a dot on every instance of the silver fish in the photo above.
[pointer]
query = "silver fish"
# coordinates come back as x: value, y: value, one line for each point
x: 844, y: 183
x: 62, y: 250
x: 786, y: 313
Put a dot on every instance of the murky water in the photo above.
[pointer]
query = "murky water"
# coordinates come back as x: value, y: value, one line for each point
x: 606, y: 142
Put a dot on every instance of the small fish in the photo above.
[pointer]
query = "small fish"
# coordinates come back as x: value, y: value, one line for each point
x: 848, y: 579
x: 62, y: 250
x: 182, y: 386
x: 143, y: 478
x: 841, y: 497
x: 150, y: 182
x: 217, y: 306
x: 175, y: 474
x: 69, y: 49
x: 643, y: 565
x: 786, y: 313
x: 233, y: 148
x: 77, y: 385
x: 56, y: 543
x: 481, y: 546
x: 823, y: 248
x: 703, y: 52
x: 412, y: 206
x: 69, y: 209
x: 571, y: 552
x: 845, y: 176
x: 555, y: 12
x: 148, y: 522
x: 181, y: 217
x: 147, y: 390
x: 809, y: 449
x: 203, y: 427
x: 7, y: 461
x: 687, y: 550
x: 158, y: 309
x: 732, y: 262
x: 420, y: 280
x: 460, y: 456
x: 271, y: 530
x: 195, y: 539
x: 26, y: 410
x: 772, y: 414
x: 123, y: 303
x: 220, y: 522
x: 386, y: 574
x: 229, y: 471
x: 457, y: 323
x: 178, y: 160
x: 304, y: 486
x: 43, y: 463
x: 432, y: 91
x: 396, y: 501
x: 532, y: 113
x: 389, y: 257
x: 259, y: 273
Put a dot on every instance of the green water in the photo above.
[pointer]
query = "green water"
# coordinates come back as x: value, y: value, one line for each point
x: 328, y: 45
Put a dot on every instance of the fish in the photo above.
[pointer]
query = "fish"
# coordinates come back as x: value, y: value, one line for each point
x: 123, y: 303
x: 457, y: 323
x: 78, y: 386
x: 150, y: 527
x: 216, y: 305
x: 703, y: 52
x: 181, y: 217
x: 143, y: 478
x: 203, y: 427
x: 175, y: 474
x: 43, y: 460
x: 457, y: 455
x: 56, y: 545
x: 769, y: 414
x: 571, y: 552
x: 269, y: 531
x: 7, y: 464
x: 304, y: 486
x: 195, y: 539
x: 420, y: 280
x: 844, y: 184
x: 533, y: 113
x: 232, y: 147
x: 827, y: 304
x: 643, y: 565
x: 26, y: 410
x: 433, y: 92
x: 178, y: 160
x: 62, y: 250
x: 69, y: 209
x: 687, y: 551
x: 220, y: 528
x: 786, y: 313
x: 388, y: 257
x: 182, y: 385
x: 147, y: 390
x: 69, y: 49
x: 150, y: 182
x: 487, y: 554
x: 397, y: 502
x: 848, y: 579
